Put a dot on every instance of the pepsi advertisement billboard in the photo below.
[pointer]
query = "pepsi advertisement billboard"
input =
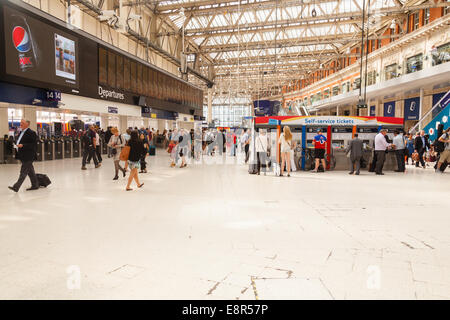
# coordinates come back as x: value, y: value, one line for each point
x: 37, y: 51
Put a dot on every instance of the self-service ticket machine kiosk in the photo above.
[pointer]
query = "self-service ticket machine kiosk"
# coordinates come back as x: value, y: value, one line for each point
x: 339, y: 130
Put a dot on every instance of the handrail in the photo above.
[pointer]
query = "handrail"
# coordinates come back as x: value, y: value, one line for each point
x: 429, y: 111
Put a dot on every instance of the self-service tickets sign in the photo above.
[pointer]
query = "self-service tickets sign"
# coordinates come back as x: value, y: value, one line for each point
x: 329, y: 120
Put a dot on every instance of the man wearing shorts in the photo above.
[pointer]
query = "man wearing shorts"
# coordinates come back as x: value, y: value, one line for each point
x: 320, y: 145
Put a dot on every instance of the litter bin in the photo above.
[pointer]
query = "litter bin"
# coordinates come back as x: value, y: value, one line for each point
x: 48, y: 149
x: 76, y: 147
x: 59, y: 152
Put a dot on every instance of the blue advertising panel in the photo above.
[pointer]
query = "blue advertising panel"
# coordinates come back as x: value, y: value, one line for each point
x: 372, y: 111
x: 443, y: 117
x: 389, y: 109
x: 412, y: 107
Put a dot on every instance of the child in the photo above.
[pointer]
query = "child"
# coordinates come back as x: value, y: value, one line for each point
x: 172, y: 150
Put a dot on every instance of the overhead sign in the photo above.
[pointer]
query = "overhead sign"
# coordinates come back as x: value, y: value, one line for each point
x: 330, y: 120
x: 389, y: 109
x: 412, y: 107
x: 114, y: 110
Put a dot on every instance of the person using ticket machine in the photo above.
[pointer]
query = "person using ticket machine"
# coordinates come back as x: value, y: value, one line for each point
x: 320, y: 145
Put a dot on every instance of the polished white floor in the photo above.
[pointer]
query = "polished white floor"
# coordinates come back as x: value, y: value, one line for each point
x: 213, y: 231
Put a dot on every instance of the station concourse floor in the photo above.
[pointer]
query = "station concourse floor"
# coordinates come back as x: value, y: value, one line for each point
x: 213, y: 231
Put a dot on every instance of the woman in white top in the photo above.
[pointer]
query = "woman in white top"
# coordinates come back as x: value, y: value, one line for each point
x: 286, y: 146
x: 261, y: 150
x: 116, y: 143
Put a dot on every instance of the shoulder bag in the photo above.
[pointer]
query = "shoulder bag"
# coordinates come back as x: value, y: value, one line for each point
x: 125, y: 153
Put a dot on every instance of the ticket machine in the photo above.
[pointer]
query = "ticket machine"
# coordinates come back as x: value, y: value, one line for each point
x: 339, y: 130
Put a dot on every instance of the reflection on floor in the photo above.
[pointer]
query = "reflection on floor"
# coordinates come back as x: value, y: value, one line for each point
x: 213, y: 231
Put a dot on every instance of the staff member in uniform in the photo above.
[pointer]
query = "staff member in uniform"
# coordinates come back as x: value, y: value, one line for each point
x: 26, y: 152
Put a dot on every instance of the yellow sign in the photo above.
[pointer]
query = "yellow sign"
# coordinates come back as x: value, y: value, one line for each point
x: 154, y: 115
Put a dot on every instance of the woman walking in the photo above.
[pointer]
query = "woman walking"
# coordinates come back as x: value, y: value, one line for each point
x: 136, y: 151
x: 409, y: 142
x: 116, y: 143
x: 286, y: 146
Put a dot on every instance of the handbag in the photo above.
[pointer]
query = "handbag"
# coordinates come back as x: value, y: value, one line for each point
x: 415, y: 156
x: 125, y: 153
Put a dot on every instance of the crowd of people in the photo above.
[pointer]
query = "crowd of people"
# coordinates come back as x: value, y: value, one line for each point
x: 134, y: 145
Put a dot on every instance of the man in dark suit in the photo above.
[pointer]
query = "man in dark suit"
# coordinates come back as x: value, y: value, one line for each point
x: 421, y: 144
x: 355, y: 148
x: 26, y: 145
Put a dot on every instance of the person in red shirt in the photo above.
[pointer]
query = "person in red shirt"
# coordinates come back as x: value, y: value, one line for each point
x: 320, y: 145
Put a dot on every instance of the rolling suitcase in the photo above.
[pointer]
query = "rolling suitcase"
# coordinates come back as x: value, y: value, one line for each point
x: 43, y: 180
x: 152, y: 150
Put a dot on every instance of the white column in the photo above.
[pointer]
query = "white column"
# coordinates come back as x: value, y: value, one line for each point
x: 337, y: 110
x: 209, y: 105
x: 123, y: 123
x: 420, y: 108
x: 104, y: 123
x: 4, y: 127
x: 29, y: 113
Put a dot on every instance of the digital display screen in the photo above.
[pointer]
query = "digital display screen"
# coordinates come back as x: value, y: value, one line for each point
x: 37, y: 51
x: 65, y: 57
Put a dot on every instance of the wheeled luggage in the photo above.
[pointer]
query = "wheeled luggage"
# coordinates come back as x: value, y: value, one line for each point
x: 43, y: 180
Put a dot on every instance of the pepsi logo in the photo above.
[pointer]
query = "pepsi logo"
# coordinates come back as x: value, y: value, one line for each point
x: 21, y: 39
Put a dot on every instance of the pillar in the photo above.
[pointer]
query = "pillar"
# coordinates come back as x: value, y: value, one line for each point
x: 104, y: 123
x: 4, y: 127
x: 123, y: 123
x: 337, y: 110
x: 161, y: 125
x: 29, y: 113
x: 420, y: 108
x: 209, y: 120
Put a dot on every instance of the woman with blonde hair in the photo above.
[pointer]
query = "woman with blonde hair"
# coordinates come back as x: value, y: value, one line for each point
x: 116, y: 143
x: 286, y: 146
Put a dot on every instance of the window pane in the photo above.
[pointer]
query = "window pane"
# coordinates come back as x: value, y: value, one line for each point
x: 145, y: 81
x: 119, y: 72
x: 133, y: 75
x: 111, y: 69
x: 102, y: 66
x: 126, y: 74
x: 139, y: 78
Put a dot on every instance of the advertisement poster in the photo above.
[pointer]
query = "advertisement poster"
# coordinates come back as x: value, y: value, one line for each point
x: 412, y: 107
x: 389, y: 109
x: 37, y: 51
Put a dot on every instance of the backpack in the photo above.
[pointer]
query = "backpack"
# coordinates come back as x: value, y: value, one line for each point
x: 439, y: 146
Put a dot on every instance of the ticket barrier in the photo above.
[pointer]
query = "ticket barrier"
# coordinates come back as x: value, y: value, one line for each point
x: 76, y: 147
x: 48, y: 149
x: 40, y: 150
x: 103, y: 145
x: 67, y: 147
x: 58, y: 148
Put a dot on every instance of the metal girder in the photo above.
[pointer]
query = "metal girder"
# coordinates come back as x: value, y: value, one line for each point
x: 148, y: 43
x: 200, y: 10
x: 285, y: 43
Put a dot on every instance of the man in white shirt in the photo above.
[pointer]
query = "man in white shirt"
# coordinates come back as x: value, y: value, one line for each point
x: 381, y: 145
x: 399, y: 144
